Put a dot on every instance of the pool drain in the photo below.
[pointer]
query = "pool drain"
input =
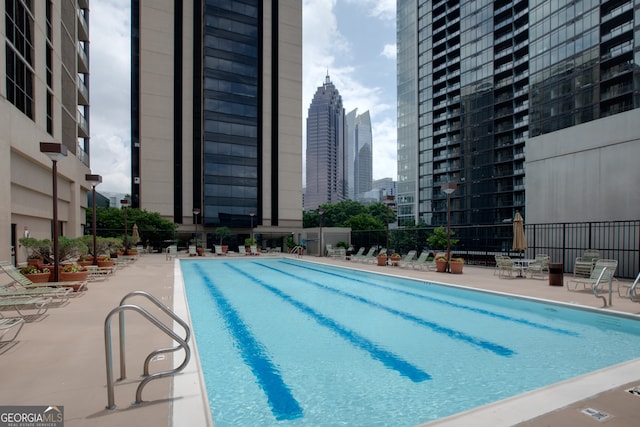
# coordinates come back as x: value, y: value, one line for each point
x: 596, y: 414
x: 635, y: 390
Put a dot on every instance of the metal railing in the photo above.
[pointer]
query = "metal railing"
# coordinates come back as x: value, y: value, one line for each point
x: 563, y: 242
x: 182, y: 344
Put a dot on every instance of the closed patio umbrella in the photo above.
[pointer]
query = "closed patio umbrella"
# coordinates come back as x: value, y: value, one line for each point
x: 136, y: 234
x: 519, y: 240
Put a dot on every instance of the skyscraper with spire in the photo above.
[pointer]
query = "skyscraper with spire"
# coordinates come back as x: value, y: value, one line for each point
x: 326, y: 146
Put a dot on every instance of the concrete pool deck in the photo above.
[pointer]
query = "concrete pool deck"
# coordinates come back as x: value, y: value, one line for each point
x: 59, y: 359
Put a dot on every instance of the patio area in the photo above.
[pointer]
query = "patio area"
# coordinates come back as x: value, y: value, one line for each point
x: 59, y: 359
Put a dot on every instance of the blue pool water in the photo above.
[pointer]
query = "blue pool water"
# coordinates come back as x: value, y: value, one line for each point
x: 293, y: 343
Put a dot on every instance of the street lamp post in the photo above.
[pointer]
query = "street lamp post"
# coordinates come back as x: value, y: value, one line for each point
x: 55, y: 152
x: 448, y: 189
x: 94, y: 180
x: 252, y: 213
x: 196, y: 212
x: 125, y: 203
x: 321, y: 250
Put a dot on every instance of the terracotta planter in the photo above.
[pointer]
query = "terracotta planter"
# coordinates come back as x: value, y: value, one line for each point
x: 34, y: 261
x: 104, y: 263
x: 84, y: 263
x: 441, y: 266
x: 38, y: 277
x: 395, y: 260
x: 79, y: 276
x: 455, y: 267
x: 382, y: 260
x: 200, y: 251
x: 225, y: 248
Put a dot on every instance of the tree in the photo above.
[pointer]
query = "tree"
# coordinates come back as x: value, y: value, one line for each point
x: 152, y: 227
x: 438, y: 240
x: 222, y: 232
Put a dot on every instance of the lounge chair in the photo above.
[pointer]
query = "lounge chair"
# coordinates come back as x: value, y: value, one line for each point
x: 24, y: 283
x: 9, y: 324
x: 408, y: 259
x: 192, y: 250
x: 540, y: 267
x: 584, y: 264
x: 58, y: 295
x: 254, y: 250
x: 99, y: 273
x: 218, y: 250
x: 364, y: 256
x: 601, y: 264
x: 498, y: 259
x: 416, y: 263
x: 373, y: 259
x: 358, y: 254
x: 18, y: 303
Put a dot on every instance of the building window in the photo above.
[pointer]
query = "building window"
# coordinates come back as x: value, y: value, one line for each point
x: 49, y: 113
x: 19, y: 54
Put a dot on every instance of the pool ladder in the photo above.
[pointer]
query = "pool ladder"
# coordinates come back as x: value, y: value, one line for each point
x: 598, y: 281
x: 183, y: 343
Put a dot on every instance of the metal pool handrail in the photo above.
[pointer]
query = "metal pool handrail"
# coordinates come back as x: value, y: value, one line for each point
x: 154, y: 353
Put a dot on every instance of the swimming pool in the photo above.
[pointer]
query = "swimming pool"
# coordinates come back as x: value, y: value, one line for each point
x: 305, y: 344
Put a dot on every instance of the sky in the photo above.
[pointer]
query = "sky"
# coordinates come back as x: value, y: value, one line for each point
x: 352, y: 40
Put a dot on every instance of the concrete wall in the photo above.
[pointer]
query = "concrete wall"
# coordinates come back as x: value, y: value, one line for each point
x: 589, y: 172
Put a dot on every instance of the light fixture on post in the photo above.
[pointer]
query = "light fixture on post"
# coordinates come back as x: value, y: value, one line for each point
x: 94, y: 180
x: 448, y: 189
x: 125, y: 203
x: 196, y: 212
x: 321, y: 213
x: 55, y: 152
x: 252, y: 213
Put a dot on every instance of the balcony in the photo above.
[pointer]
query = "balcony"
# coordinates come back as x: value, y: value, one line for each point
x: 83, y: 60
x: 83, y: 92
x: 83, y: 26
x: 83, y: 125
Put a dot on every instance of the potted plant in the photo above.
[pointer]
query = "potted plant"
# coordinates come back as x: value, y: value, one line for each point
x: 73, y: 273
x: 441, y: 263
x: 395, y: 259
x: 85, y: 260
x: 105, y: 261
x: 248, y: 242
x: 455, y: 265
x: 382, y: 258
x: 221, y: 233
x: 35, y: 274
x: 38, y: 251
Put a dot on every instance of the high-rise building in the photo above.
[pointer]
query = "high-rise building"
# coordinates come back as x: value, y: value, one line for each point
x: 44, y: 97
x: 478, y: 81
x: 326, y: 177
x: 359, y: 154
x: 216, y: 111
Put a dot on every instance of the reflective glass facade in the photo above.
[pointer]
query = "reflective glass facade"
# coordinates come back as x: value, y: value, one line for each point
x: 491, y: 74
x: 231, y: 110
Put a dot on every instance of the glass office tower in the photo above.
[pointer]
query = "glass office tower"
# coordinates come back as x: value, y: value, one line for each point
x: 491, y: 74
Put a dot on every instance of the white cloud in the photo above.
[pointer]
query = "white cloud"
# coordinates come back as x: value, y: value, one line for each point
x: 389, y: 51
x: 382, y: 9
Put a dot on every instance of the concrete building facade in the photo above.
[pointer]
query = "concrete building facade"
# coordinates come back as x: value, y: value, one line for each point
x: 44, y: 97
x: 216, y: 112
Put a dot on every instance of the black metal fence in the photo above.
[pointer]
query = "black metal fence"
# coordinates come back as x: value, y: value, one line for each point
x: 563, y: 242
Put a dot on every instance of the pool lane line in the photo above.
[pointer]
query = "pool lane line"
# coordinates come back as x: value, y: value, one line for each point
x: 441, y: 301
x: 283, y: 405
x: 433, y: 326
x: 387, y: 358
